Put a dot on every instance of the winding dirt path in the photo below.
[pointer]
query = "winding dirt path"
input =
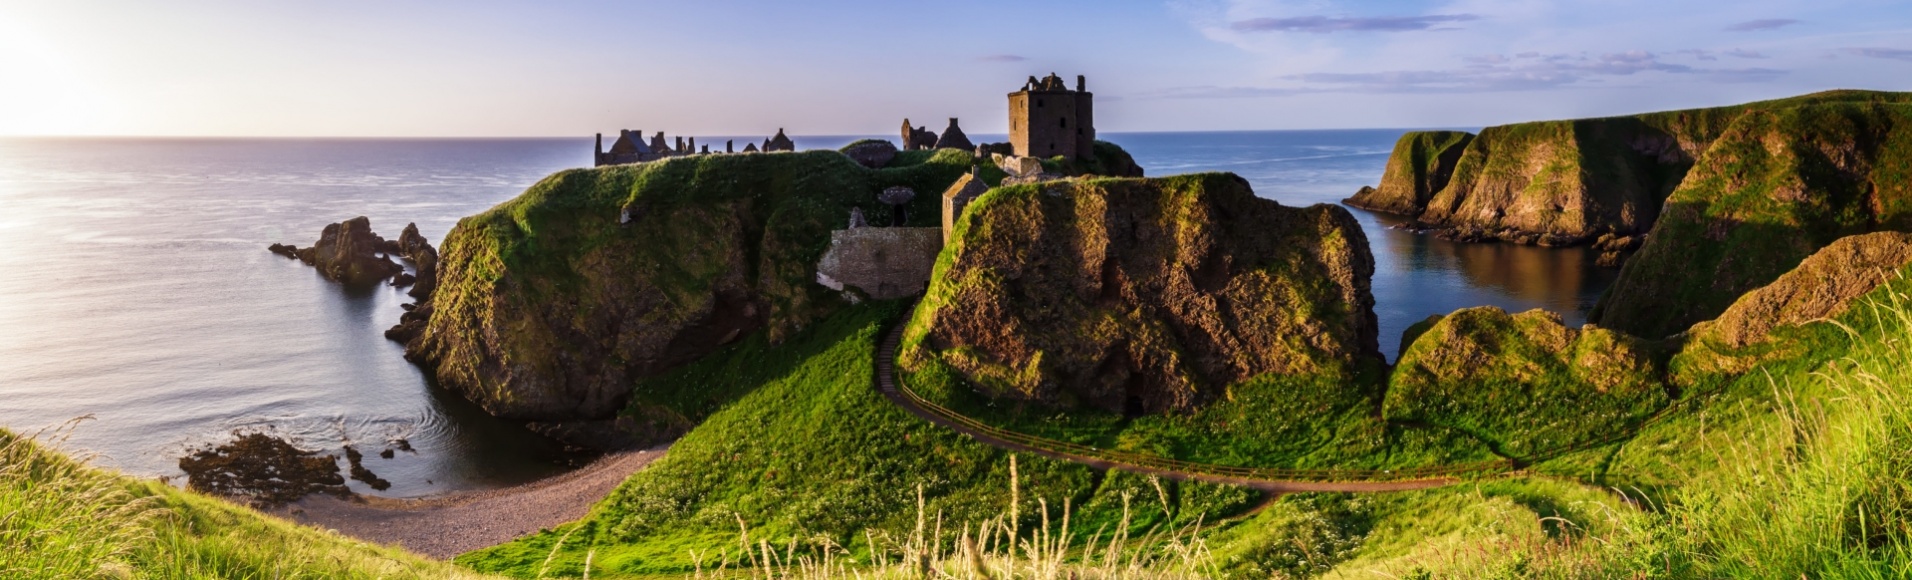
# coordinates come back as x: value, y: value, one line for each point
x: 452, y: 524
x: 887, y: 382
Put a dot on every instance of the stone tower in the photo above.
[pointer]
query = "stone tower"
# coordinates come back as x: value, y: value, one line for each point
x: 1047, y: 119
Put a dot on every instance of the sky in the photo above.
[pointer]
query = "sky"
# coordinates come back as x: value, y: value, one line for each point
x: 735, y: 67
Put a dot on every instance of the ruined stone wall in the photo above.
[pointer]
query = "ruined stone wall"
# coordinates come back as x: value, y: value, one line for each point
x: 884, y: 263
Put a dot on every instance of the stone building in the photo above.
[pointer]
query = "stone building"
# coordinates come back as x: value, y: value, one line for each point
x: 953, y: 138
x: 917, y: 138
x: 1047, y: 119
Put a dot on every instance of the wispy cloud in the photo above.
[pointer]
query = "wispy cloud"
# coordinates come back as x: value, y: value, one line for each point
x: 1887, y: 53
x: 1003, y: 58
x: 1481, y: 74
x: 1742, y: 53
x: 1328, y: 24
x: 1762, y: 24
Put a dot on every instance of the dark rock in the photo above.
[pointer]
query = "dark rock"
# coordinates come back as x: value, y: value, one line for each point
x: 387, y: 453
x: 288, y: 251
x: 871, y: 153
x: 349, y: 252
x: 403, y: 280
x: 262, y: 469
x: 360, y: 473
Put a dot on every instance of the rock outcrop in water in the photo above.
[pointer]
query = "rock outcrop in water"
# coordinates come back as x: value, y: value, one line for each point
x: 262, y: 469
x: 1422, y: 164
x: 347, y: 252
x: 1144, y: 295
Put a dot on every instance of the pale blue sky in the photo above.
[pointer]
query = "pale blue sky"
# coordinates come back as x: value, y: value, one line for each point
x: 484, y: 68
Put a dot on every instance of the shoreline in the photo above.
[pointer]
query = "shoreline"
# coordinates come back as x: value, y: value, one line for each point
x: 446, y: 525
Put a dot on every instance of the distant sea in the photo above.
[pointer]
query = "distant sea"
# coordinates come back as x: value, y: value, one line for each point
x: 136, y: 291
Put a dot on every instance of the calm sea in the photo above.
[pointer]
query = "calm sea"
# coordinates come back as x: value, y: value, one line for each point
x: 135, y: 288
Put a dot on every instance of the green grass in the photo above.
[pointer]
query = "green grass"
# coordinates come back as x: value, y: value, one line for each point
x: 62, y: 519
x: 812, y: 453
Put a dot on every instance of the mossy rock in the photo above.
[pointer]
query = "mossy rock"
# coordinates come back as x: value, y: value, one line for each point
x: 1778, y: 186
x: 551, y: 305
x: 1422, y: 164
x: 1754, y: 329
x: 1148, y: 295
x: 1525, y: 382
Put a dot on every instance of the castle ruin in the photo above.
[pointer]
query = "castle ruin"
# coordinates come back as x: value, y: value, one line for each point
x: 631, y: 147
x: 1047, y: 119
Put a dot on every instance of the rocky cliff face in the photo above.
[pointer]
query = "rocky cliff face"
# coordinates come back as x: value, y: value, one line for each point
x: 1570, y: 182
x: 1143, y: 295
x: 1421, y: 165
x: 1823, y: 286
x: 548, y: 306
x: 1777, y: 185
x: 348, y: 252
x: 1525, y: 381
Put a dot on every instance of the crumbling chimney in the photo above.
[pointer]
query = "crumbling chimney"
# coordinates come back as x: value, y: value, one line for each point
x: 728, y: 146
x: 600, y: 147
x: 1082, y: 83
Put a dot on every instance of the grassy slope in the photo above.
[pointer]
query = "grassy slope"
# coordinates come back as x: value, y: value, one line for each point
x: 1421, y: 164
x: 1778, y: 186
x: 813, y: 453
x: 1796, y: 469
x: 64, y: 520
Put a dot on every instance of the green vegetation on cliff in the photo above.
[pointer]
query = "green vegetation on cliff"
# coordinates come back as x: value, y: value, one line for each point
x: 552, y: 304
x: 1421, y: 165
x: 1525, y: 383
x: 61, y: 519
x: 1777, y: 186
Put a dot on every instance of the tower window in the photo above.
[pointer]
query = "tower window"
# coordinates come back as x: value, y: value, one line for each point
x: 1065, y: 122
x: 1038, y: 102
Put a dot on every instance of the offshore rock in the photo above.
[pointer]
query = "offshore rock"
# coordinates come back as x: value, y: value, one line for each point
x: 349, y: 252
x: 1150, y: 294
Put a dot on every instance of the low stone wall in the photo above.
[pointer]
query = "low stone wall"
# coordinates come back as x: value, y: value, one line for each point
x: 884, y: 263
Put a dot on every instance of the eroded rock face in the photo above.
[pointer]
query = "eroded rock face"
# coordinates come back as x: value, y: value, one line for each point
x: 552, y: 305
x: 1421, y: 165
x: 1824, y: 286
x: 1149, y: 293
x: 351, y: 253
x: 1778, y: 186
x: 883, y: 263
x: 1524, y: 381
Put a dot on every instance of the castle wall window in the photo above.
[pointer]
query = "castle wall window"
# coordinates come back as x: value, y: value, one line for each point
x: 1065, y: 122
